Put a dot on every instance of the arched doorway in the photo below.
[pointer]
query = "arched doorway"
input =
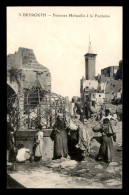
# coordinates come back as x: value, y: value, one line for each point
x: 34, y: 106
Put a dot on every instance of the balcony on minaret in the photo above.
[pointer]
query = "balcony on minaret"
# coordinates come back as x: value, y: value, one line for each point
x: 90, y: 55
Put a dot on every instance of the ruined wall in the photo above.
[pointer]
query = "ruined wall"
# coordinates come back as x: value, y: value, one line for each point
x: 24, y: 59
x: 14, y: 60
x: 100, y: 98
x: 110, y: 84
x: 112, y: 87
x: 109, y: 72
x: 22, y: 71
x: 116, y: 85
x: 119, y: 74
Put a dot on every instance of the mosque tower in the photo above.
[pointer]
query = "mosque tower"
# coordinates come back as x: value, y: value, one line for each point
x: 90, y: 58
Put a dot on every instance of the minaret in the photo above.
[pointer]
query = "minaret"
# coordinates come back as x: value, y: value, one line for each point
x: 90, y: 63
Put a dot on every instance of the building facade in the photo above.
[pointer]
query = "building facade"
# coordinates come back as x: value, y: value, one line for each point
x: 30, y: 100
x: 109, y: 71
x: 103, y: 87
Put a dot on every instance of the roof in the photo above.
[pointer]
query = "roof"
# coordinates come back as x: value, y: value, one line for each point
x: 90, y: 55
x: 90, y: 51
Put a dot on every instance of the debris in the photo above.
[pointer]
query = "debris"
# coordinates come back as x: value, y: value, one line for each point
x: 117, y: 168
x: 71, y: 163
x: 82, y: 170
x: 99, y: 174
x: 112, y: 182
x: 110, y: 170
x: 113, y: 163
x: 53, y: 165
x: 98, y: 166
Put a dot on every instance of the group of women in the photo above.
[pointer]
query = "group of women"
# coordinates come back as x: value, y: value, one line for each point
x: 77, y: 140
x: 72, y: 140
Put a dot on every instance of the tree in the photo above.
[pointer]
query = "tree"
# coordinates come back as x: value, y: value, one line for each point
x: 15, y: 76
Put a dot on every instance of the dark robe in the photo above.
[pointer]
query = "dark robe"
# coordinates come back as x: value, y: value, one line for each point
x: 59, y: 135
x: 11, y: 143
x: 106, y: 147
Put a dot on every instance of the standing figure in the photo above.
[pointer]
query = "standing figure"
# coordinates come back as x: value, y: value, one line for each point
x: 83, y: 140
x: 59, y: 136
x: 78, y: 139
x: 106, y: 147
x: 102, y: 112
x: 72, y: 107
x: 38, y: 144
x: 11, y: 155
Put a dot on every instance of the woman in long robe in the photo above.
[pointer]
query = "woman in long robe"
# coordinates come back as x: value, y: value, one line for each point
x: 11, y: 154
x: 59, y: 136
x: 78, y: 139
x: 106, y: 147
x: 83, y: 144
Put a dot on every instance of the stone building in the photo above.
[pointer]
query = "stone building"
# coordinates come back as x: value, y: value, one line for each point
x: 112, y: 87
x: 102, y: 88
x: 110, y: 81
x: 90, y: 58
x: 86, y: 87
x: 109, y: 72
x: 22, y: 69
x: 89, y: 84
x: 119, y: 74
x: 23, y: 73
x: 29, y: 98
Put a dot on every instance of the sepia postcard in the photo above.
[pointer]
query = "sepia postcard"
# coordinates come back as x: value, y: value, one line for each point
x: 64, y: 97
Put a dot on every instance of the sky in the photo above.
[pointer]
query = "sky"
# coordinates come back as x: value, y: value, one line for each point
x: 60, y: 41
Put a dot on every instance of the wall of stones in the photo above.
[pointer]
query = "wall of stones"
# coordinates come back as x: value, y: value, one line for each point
x: 109, y: 71
x: 27, y: 139
x: 113, y: 86
x: 14, y: 60
x: 25, y: 60
x: 119, y: 74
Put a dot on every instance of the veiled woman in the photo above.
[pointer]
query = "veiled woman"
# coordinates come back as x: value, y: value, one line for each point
x: 79, y: 139
x: 59, y: 136
x: 106, y: 147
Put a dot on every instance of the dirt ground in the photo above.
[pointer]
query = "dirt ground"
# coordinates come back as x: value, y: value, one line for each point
x: 70, y: 173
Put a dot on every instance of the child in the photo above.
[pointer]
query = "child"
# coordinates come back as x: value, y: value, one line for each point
x: 38, y: 144
x: 23, y: 154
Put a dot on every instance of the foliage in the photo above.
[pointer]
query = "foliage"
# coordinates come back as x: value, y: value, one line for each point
x: 15, y: 76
